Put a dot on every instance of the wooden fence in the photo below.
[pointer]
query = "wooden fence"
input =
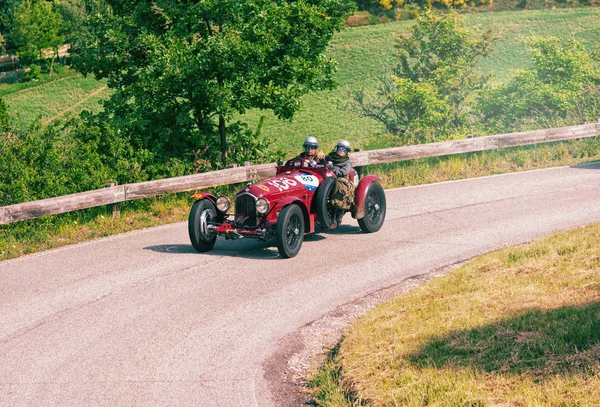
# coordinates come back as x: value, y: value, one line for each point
x: 128, y: 192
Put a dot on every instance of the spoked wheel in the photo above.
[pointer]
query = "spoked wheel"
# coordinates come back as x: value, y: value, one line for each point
x: 374, y: 209
x: 326, y: 212
x: 289, y: 231
x: 201, y: 214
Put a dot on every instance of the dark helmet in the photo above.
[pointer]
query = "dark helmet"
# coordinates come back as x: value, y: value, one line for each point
x: 343, y: 144
x: 310, y: 142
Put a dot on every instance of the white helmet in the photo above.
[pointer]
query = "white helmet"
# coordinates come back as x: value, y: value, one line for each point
x: 344, y: 144
x: 310, y: 142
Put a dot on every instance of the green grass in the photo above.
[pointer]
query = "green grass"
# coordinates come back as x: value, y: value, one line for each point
x: 63, y: 95
x: 518, y: 327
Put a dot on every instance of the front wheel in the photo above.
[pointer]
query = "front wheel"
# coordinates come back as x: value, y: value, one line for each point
x: 202, y: 213
x: 374, y: 209
x: 289, y: 231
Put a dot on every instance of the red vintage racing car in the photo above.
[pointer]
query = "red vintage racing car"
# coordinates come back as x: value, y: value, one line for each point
x: 284, y: 207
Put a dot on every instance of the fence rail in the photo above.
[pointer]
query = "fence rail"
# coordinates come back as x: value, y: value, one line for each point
x: 128, y: 192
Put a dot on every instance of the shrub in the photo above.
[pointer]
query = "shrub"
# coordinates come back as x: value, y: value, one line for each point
x: 42, y: 162
x: 31, y: 73
x: 426, y: 97
x: 560, y: 86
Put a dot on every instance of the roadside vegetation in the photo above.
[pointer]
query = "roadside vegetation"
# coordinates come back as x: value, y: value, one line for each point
x: 517, y: 327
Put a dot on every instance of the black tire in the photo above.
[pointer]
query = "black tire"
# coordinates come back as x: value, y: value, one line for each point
x: 289, y: 231
x: 202, y: 212
x: 374, y: 209
x: 326, y: 212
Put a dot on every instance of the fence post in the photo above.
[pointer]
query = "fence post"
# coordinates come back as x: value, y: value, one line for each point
x: 113, y: 208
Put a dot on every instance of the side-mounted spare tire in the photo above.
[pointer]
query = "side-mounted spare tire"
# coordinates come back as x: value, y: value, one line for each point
x: 203, y: 211
x: 374, y: 209
x: 325, y: 210
x: 289, y: 231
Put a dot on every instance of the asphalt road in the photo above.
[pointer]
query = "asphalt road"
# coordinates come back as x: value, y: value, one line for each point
x: 141, y: 319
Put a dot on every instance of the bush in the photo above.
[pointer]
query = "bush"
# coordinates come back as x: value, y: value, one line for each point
x: 31, y: 73
x: 42, y: 162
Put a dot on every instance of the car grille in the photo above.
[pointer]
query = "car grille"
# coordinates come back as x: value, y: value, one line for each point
x: 245, y: 209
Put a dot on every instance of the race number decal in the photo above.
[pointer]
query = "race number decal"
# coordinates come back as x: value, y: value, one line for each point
x: 283, y: 184
x: 310, y: 182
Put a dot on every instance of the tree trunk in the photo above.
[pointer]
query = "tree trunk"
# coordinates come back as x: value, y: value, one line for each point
x: 223, y: 133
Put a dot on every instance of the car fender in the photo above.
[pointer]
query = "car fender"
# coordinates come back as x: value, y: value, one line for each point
x: 204, y: 195
x: 309, y: 220
x: 360, y: 195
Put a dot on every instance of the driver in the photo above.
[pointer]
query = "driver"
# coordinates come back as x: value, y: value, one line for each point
x: 311, y: 154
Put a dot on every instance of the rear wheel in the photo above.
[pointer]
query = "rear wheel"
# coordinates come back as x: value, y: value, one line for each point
x: 289, y: 231
x: 374, y: 209
x: 326, y: 212
x: 201, y: 214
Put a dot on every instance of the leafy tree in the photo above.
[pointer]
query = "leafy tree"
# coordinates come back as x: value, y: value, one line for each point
x: 182, y: 70
x: 35, y: 27
x: 562, y: 82
x: 73, y: 14
x: 7, y: 8
x: 434, y: 81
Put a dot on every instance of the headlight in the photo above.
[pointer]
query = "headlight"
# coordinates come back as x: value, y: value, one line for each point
x: 223, y: 204
x: 262, y: 206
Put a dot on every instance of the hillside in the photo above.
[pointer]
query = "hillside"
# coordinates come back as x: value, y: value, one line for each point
x: 364, y: 53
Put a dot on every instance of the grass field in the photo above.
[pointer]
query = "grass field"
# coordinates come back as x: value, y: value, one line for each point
x: 66, y: 95
x: 518, y: 327
x: 364, y: 53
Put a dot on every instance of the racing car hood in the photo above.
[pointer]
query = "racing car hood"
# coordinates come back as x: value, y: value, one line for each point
x: 296, y: 183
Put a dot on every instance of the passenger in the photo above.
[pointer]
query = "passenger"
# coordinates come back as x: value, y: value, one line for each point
x: 339, y: 158
x: 343, y: 196
x: 311, y: 156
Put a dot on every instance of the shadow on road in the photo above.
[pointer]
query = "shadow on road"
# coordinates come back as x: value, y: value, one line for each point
x: 588, y: 166
x: 248, y: 248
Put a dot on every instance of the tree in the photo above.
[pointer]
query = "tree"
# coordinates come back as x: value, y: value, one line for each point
x: 35, y: 27
x: 73, y: 14
x: 7, y: 8
x: 182, y: 70
x: 561, y: 82
x: 433, y: 82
